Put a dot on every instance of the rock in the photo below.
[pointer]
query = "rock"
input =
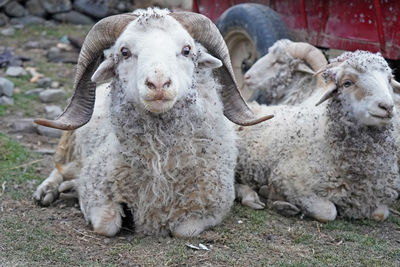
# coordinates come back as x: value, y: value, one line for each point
x: 56, y: 55
x: 56, y: 6
x: 44, y: 82
x: 52, y: 95
x: 94, y: 8
x: 73, y: 17
x: 14, y: 9
x: 3, y: 19
x: 15, y: 71
x: 5, y: 100
x: 6, y: 87
x: 8, y: 32
x: 24, y: 126
x: 55, y: 84
x: 50, y: 132
x: 52, y: 111
x: 35, y: 8
x: 27, y: 20
x: 43, y: 44
x: 34, y: 91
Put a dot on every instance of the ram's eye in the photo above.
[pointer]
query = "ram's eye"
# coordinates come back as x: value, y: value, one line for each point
x: 347, y: 83
x: 125, y: 52
x: 186, y: 50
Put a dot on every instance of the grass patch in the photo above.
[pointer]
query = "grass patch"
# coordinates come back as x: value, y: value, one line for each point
x: 16, y: 166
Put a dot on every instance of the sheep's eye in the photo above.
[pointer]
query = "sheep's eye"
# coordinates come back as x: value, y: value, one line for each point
x: 125, y: 52
x: 347, y: 83
x: 186, y: 50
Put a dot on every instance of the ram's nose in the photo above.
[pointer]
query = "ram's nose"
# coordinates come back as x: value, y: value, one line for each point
x: 158, y: 84
x: 386, y: 107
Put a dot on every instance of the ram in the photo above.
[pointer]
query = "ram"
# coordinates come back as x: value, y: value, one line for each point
x: 286, y: 75
x: 337, y: 158
x: 158, y: 140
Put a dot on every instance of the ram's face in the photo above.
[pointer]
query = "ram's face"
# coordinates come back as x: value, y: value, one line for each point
x: 368, y: 96
x: 154, y: 61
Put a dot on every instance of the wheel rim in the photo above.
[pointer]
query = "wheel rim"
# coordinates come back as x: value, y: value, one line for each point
x: 243, y: 53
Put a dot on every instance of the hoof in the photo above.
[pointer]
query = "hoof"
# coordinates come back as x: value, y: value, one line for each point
x: 285, y: 208
x: 249, y: 197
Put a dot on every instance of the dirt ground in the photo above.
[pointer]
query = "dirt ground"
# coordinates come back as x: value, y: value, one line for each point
x: 31, y: 235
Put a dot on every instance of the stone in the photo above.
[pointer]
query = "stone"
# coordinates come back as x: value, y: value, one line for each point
x: 3, y: 19
x: 24, y: 126
x: 73, y: 17
x: 6, y: 87
x: 56, y: 6
x: 14, y: 9
x: 56, y: 55
x: 52, y: 111
x: 44, y: 82
x: 43, y: 44
x: 34, y: 91
x: 93, y: 8
x: 28, y: 20
x: 15, y: 71
x: 35, y: 8
x: 5, y: 100
x: 50, y: 132
x: 52, y: 95
x: 55, y: 84
x: 8, y: 32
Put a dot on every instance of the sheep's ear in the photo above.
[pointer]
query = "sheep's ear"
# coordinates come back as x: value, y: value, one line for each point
x: 105, y: 71
x: 330, y: 90
x: 206, y: 60
x: 396, y: 85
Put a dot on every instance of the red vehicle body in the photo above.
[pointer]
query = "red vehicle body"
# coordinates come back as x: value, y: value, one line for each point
x: 372, y: 25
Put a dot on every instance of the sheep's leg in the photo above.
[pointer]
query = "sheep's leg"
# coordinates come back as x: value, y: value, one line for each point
x: 106, y: 219
x: 318, y: 208
x: 285, y: 208
x: 193, y: 227
x: 47, y: 191
x: 380, y: 213
x: 248, y: 197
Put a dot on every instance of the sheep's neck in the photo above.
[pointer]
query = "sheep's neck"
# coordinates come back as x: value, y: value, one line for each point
x: 360, y: 152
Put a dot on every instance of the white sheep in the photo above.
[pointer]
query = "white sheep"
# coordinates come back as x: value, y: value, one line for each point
x: 285, y: 75
x: 337, y: 158
x: 157, y: 140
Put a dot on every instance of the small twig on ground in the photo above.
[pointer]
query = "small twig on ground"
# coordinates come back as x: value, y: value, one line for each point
x: 26, y: 164
x: 83, y: 234
x: 395, y: 212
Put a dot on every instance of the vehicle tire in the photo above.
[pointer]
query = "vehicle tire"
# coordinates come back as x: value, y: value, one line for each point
x: 249, y: 30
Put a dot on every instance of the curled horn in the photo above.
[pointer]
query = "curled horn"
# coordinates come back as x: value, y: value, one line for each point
x: 396, y: 85
x: 100, y: 37
x: 330, y: 89
x: 205, y: 32
x: 310, y: 54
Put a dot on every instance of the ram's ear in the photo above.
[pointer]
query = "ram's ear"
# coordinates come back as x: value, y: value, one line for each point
x: 206, y: 60
x: 396, y: 85
x: 105, y: 71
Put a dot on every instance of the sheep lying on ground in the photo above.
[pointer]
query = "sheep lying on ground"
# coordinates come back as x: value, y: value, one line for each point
x: 157, y: 141
x: 337, y: 158
x: 283, y: 76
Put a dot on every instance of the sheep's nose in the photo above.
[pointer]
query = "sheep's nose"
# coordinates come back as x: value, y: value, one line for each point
x: 158, y: 84
x: 247, y: 76
x: 386, y: 107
